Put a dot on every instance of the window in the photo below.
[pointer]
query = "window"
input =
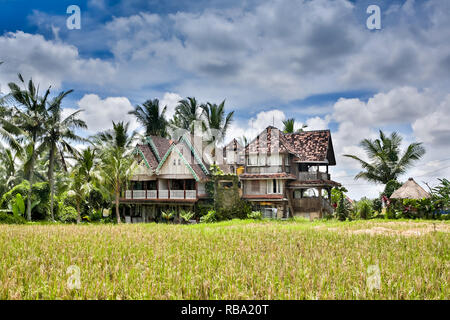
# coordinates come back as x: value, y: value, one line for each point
x: 286, y: 160
x: 274, y: 186
x: 179, y: 162
x: 174, y: 162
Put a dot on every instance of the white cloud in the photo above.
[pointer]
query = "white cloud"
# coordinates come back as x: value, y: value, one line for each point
x: 49, y: 63
x: 170, y: 100
x: 99, y: 113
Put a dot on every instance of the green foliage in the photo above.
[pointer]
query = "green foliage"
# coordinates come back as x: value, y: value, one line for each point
x: 18, y: 206
x: 167, y: 215
x: 386, y: 160
x: 67, y: 214
x: 240, y: 210
x: 39, y: 199
x: 255, y: 215
x: 343, y: 207
x: 186, y: 215
x: 364, y: 208
x: 6, y: 218
x: 390, y: 187
x: 210, y: 217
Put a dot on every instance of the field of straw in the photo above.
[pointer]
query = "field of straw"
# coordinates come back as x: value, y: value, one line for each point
x: 230, y: 260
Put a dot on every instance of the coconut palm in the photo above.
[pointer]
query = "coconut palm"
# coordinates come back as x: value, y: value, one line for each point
x: 30, y: 118
x: 117, y: 165
x: 59, y: 134
x: 386, y: 161
x: 84, y: 175
x: 152, y: 117
x: 289, y: 126
x: 216, y: 122
x: 186, y: 113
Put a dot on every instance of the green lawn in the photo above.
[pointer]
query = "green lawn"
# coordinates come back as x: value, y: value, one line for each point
x: 229, y: 260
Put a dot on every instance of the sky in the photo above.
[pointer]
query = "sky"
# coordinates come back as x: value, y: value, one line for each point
x: 315, y: 61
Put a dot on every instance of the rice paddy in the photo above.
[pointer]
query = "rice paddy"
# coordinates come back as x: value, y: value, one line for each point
x: 228, y: 260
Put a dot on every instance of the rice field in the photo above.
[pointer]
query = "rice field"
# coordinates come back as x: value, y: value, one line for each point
x: 230, y: 260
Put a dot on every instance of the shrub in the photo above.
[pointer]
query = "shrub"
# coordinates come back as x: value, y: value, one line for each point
x: 167, y: 215
x: 364, y: 208
x: 67, y: 214
x: 6, y: 218
x: 210, y: 217
x: 186, y: 215
x: 240, y: 210
x: 256, y: 215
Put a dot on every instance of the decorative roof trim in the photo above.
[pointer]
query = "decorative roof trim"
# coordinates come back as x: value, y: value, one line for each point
x: 172, y: 147
x: 138, y: 150
x: 196, y: 156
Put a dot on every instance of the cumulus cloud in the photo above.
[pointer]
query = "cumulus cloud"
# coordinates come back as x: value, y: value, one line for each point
x: 170, y: 100
x: 99, y: 113
x: 49, y: 63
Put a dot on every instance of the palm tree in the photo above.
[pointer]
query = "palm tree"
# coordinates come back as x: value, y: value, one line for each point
x: 57, y: 139
x: 30, y: 118
x: 117, y: 165
x: 386, y: 163
x: 186, y: 113
x: 289, y: 126
x: 83, y: 177
x: 151, y: 118
x: 216, y: 123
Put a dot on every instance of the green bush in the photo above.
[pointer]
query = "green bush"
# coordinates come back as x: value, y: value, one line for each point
x: 67, y: 214
x: 256, y: 215
x: 6, y: 218
x: 210, y: 217
x: 240, y: 210
x: 40, y: 198
x: 364, y: 208
x: 186, y: 215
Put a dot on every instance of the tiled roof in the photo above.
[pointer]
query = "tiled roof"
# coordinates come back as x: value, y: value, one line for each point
x: 310, y: 146
x: 149, y: 156
x: 162, y: 145
x: 307, y: 146
x: 267, y: 176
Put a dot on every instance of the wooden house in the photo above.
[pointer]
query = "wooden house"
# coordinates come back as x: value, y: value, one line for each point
x: 171, y: 175
x: 287, y: 174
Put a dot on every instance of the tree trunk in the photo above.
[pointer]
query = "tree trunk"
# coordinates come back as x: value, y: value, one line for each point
x: 117, y: 205
x: 30, y: 190
x: 79, y: 212
x: 51, y: 180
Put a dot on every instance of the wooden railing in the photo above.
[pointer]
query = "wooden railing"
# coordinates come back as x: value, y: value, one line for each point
x: 308, y: 176
x: 160, y: 194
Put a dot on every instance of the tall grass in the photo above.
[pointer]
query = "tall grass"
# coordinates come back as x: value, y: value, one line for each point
x: 230, y: 260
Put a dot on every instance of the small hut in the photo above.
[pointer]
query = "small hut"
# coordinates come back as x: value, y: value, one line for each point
x: 410, y: 190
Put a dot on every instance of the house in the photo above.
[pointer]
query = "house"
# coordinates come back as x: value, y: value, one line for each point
x: 234, y: 156
x: 287, y: 174
x: 283, y: 175
x: 171, y: 175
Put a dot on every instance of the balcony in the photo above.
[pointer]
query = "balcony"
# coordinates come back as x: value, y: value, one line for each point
x: 308, y: 176
x: 161, y: 194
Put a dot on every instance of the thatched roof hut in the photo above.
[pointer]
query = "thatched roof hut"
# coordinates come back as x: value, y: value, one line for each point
x: 410, y: 190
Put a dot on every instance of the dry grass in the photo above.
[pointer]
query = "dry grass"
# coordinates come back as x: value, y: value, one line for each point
x: 231, y: 260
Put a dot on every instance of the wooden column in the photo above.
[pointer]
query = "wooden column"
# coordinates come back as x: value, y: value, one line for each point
x: 184, y: 187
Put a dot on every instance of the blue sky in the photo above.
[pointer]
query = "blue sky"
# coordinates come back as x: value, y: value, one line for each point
x: 271, y: 60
